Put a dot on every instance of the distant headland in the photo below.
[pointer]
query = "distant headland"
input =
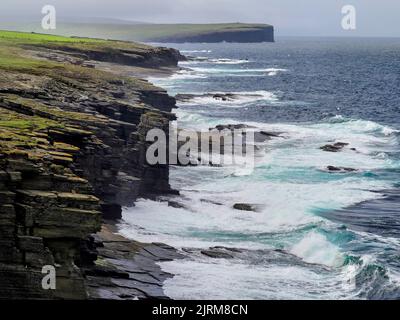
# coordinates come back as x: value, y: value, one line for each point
x: 228, y: 32
x: 163, y: 33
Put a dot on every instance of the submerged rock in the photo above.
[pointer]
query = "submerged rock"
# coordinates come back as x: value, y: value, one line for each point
x: 338, y: 146
x: 232, y: 127
x: 271, y: 134
x: 262, y: 136
x: 244, y: 207
x: 340, y: 169
x: 211, y: 201
x: 217, y: 253
x: 235, y: 250
x: 224, y: 97
x: 176, y: 204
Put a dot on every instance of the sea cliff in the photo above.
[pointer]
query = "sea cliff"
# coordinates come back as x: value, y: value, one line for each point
x: 236, y: 33
x: 72, y: 153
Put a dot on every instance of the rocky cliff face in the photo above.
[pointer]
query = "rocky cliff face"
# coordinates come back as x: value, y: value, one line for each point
x: 72, y: 150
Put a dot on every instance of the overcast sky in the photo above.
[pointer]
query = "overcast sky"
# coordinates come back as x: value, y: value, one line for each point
x: 290, y: 17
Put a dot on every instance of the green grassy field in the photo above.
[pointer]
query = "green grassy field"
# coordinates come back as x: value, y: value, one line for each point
x: 24, y: 37
x: 33, y: 38
x: 12, y: 45
x: 20, y: 68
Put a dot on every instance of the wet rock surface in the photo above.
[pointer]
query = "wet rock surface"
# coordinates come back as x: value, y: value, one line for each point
x: 336, y: 147
x: 340, y: 169
x: 221, y: 252
x: 244, y: 206
x: 127, y: 269
x: 261, y: 257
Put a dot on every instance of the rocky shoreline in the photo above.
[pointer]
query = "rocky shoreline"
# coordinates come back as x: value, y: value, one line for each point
x: 126, y: 269
x: 74, y: 117
x: 72, y: 153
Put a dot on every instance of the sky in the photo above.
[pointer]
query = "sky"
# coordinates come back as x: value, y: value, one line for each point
x: 289, y: 17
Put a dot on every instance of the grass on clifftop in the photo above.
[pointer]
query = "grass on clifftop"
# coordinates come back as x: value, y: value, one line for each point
x: 40, y: 96
x: 11, y: 43
x: 18, y: 68
x: 14, y: 57
x: 21, y: 39
x: 25, y: 37
x: 18, y: 54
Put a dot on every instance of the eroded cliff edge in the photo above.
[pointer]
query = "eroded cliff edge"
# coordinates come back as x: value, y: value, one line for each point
x: 72, y: 152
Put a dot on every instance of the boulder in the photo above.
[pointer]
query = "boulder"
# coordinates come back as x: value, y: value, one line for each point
x: 336, y: 147
x: 232, y: 127
x: 340, y: 169
x: 244, y: 206
x: 217, y: 253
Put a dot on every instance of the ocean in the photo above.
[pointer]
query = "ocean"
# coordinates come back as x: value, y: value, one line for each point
x: 318, y: 234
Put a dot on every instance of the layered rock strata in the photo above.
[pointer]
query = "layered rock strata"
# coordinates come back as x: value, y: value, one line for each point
x: 72, y: 151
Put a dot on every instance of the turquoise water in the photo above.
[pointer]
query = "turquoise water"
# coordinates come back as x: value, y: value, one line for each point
x: 339, y: 232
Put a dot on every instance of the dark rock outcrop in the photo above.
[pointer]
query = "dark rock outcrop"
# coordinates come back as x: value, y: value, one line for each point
x: 217, y: 253
x: 336, y: 147
x: 248, y: 207
x: 340, y: 169
x: 144, y: 56
x: 243, y: 207
x: 127, y: 269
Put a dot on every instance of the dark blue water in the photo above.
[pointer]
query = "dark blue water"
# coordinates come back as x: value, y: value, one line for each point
x: 345, y: 227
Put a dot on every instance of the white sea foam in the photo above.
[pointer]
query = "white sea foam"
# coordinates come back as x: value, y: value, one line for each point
x: 231, y: 71
x: 195, y: 61
x: 274, y: 71
x: 176, y: 77
x: 234, y: 280
x: 285, y: 207
x: 315, y: 248
x: 228, y: 61
x: 241, y: 98
x: 195, y: 51
x: 239, y: 71
x: 288, y: 185
x: 286, y: 203
x: 359, y: 125
x: 187, y: 74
